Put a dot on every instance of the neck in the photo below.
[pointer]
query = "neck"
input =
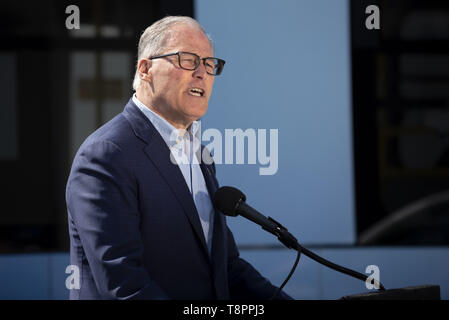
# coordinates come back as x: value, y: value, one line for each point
x: 148, y: 102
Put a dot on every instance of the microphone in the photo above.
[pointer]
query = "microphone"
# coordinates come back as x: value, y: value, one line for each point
x: 231, y: 202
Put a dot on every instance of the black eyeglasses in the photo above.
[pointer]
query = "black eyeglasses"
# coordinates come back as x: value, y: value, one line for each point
x: 191, y: 61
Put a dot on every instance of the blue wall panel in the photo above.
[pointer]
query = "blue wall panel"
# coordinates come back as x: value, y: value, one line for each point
x: 288, y: 68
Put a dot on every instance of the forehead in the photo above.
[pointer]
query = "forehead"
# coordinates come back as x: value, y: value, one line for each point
x: 189, y: 38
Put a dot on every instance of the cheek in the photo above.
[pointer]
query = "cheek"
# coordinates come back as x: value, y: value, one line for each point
x: 167, y: 79
x: 171, y: 89
x: 178, y: 83
x: 211, y: 87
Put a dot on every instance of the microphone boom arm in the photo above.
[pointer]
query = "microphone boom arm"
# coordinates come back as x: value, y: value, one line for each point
x: 292, y: 243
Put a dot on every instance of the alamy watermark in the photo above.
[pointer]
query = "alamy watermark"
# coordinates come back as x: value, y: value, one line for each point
x: 373, y: 280
x: 73, y: 20
x: 237, y: 146
x: 73, y: 280
x: 373, y: 20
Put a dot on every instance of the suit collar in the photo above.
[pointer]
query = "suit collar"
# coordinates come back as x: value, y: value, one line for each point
x: 141, y: 125
x: 159, y: 154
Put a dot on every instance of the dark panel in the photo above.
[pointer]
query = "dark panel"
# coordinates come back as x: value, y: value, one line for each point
x: 34, y: 215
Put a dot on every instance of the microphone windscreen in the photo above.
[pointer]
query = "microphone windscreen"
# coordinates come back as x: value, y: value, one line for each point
x: 226, y: 200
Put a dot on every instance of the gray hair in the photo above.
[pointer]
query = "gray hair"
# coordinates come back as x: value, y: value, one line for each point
x: 154, y: 39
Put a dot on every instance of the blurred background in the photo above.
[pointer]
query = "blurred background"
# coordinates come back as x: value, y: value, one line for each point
x: 362, y: 118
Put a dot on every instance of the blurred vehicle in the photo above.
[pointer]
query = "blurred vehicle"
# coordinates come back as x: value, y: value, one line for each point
x: 423, y: 222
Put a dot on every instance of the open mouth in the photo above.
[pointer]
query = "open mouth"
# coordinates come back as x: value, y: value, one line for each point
x: 197, y: 92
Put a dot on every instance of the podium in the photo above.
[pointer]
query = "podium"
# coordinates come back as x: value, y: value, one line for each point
x: 423, y: 292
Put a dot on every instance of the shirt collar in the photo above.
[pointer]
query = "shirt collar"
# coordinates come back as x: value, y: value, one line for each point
x: 171, y: 135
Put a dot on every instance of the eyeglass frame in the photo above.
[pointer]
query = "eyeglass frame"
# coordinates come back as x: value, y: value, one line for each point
x: 199, y: 58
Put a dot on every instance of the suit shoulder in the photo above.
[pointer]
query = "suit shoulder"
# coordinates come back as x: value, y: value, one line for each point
x: 117, y: 132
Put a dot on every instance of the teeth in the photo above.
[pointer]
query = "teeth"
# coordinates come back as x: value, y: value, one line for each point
x: 196, y: 92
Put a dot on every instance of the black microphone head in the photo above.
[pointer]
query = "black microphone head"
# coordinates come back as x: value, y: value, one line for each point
x: 227, y: 200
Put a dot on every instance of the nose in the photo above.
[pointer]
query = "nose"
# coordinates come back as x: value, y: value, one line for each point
x: 200, y: 72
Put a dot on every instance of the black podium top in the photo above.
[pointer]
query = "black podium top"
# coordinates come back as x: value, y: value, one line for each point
x: 424, y: 292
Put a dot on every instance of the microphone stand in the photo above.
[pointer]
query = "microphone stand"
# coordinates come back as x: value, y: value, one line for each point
x: 292, y: 243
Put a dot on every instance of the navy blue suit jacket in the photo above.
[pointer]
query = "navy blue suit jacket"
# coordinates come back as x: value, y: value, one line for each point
x: 133, y: 225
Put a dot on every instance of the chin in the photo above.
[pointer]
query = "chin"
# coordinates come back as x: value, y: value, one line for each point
x: 197, y: 113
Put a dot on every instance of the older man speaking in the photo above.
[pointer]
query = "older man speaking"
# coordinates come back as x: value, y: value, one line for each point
x: 141, y: 221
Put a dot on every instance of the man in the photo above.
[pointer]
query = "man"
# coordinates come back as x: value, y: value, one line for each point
x: 141, y: 221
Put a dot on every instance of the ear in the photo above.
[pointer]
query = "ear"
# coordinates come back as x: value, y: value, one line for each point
x: 143, y: 68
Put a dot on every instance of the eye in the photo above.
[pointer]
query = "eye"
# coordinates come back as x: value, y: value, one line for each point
x: 188, y: 60
x: 210, y: 65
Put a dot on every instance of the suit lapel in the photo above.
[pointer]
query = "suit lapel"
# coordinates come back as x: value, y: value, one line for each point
x: 219, y: 245
x: 209, y: 179
x: 159, y: 154
x: 218, y: 233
